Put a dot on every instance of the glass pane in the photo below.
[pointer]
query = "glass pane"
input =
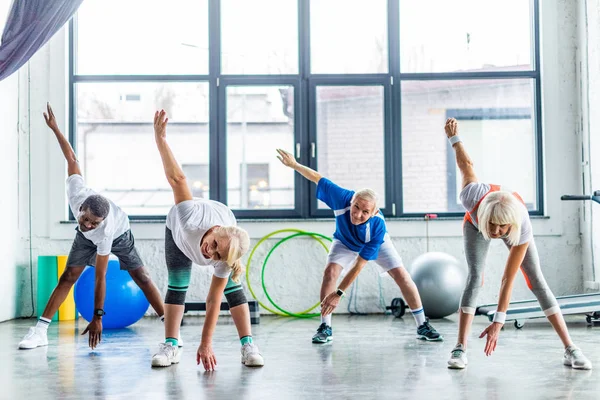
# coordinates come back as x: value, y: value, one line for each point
x: 496, y: 120
x: 115, y: 141
x: 259, y: 36
x: 465, y: 35
x: 350, y: 137
x: 260, y: 119
x: 141, y: 37
x: 348, y: 36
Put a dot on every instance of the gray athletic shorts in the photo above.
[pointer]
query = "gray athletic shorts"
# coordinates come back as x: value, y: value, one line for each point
x: 83, y: 252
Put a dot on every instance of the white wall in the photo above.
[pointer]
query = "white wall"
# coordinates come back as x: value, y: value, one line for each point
x: 588, y: 69
x: 11, y: 250
x: 294, y: 271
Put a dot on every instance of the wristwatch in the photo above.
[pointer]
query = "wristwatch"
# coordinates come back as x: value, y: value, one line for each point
x: 340, y: 292
x: 99, y: 312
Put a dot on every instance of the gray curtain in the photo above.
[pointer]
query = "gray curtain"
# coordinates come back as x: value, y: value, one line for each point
x: 30, y: 24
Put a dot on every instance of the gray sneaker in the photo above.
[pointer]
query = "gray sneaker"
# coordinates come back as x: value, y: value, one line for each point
x: 324, y: 334
x: 458, y: 358
x: 575, y: 359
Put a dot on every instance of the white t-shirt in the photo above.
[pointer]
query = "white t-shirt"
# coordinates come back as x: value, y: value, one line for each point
x: 114, y: 225
x: 190, y: 220
x: 473, y: 192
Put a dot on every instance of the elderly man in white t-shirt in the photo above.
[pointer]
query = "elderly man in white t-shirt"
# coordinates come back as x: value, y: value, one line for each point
x: 102, y: 228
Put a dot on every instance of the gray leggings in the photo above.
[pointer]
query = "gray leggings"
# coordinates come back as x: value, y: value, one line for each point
x: 476, y: 249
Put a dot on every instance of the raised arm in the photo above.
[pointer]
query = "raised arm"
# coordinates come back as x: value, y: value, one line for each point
x: 173, y: 171
x: 65, y: 146
x: 462, y: 158
x: 289, y: 161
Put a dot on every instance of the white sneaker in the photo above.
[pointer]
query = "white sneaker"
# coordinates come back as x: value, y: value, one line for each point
x: 34, y: 338
x: 458, y: 358
x: 251, y: 357
x: 575, y: 359
x: 167, y: 355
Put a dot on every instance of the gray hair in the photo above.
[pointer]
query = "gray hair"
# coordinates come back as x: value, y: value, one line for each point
x: 97, y: 205
x: 500, y: 208
x: 368, y: 195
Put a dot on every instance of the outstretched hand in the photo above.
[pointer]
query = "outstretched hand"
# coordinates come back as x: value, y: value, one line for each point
x: 95, y: 330
x: 160, y: 124
x: 329, y: 303
x: 451, y: 127
x: 50, y: 118
x: 286, y: 158
x: 492, y: 332
x: 206, y: 356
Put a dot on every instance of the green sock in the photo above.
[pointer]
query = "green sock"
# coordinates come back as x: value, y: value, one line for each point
x: 246, y: 339
x: 171, y: 340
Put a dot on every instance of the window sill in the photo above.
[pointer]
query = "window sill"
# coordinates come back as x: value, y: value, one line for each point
x: 153, y: 229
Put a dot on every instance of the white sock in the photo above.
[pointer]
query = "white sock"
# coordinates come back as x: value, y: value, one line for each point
x: 419, y: 316
x: 162, y: 318
x: 43, y: 324
x: 326, y: 320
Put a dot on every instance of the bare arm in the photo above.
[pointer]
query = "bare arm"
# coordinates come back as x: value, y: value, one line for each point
x: 65, y: 146
x: 289, y: 161
x: 95, y: 326
x: 173, y: 171
x: 332, y: 300
x: 353, y: 273
x: 213, y: 306
x: 515, y: 259
x: 463, y: 161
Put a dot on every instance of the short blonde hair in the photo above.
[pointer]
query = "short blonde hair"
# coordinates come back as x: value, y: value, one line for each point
x: 501, y: 208
x: 239, y: 243
x: 368, y: 195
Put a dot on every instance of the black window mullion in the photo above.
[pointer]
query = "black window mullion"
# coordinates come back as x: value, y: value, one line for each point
x: 304, y: 194
x: 217, y: 140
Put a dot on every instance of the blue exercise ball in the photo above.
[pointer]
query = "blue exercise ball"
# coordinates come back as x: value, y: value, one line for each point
x: 441, y: 280
x: 124, y: 303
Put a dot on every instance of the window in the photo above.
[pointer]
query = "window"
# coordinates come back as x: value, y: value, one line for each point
x: 115, y: 139
x: 142, y: 37
x: 491, y: 134
x: 197, y: 177
x: 259, y: 36
x: 257, y: 185
x: 259, y: 120
x: 350, y: 137
x: 476, y: 36
x: 357, y: 89
x: 348, y: 36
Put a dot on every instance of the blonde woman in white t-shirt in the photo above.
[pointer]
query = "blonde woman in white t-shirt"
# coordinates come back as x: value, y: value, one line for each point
x: 494, y: 213
x: 204, y: 232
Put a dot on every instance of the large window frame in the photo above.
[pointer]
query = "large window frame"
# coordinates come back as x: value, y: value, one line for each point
x: 305, y: 85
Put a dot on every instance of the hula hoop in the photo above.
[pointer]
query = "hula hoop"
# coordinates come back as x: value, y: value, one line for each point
x: 250, y: 260
x: 303, y: 314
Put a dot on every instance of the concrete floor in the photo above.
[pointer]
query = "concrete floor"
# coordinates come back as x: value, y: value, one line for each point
x: 372, y: 357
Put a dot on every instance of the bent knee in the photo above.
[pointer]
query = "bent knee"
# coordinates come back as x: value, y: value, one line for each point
x: 141, y: 276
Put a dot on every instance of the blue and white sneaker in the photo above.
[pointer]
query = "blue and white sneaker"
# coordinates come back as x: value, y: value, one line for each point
x: 324, y: 334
